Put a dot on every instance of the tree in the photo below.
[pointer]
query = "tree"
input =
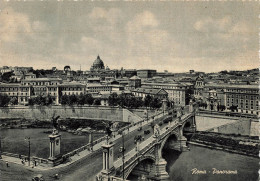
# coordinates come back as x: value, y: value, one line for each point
x: 89, y: 99
x: 4, y: 100
x: 147, y: 100
x: 222, y: 107
x: 189, y: 96
x: 73, y: 99
x: 156, y: 103
x: 113, y: 99
x: 6, y: 77
x: 97, y: 102
x: 14, y: 101
x: 64, y: 100
x: 31, y: 101
x: 48, y: 100
x: 233, y: 108
x: 81, y: 99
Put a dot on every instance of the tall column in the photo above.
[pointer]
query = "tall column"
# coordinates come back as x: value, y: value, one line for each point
x: 193, y: 124
x: 108, y: 161
x: 164, y: 104
x: 191, y: 106
x: 55, y: 156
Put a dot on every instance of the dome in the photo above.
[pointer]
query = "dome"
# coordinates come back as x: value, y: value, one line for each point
x: 98, y: 64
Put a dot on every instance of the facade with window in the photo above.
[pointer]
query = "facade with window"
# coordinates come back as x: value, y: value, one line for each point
x: 242, y: 98
x: 156, y: 93
x: 21, y: 92
x: 176, y: 92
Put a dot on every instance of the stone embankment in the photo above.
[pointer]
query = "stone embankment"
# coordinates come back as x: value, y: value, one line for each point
x: 245, y: 145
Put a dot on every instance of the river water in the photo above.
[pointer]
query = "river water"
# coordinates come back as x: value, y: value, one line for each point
x: 179, y: 165
x: 13, y: 141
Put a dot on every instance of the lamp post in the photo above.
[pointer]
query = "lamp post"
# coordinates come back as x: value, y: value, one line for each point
x: 1, y: 149
x: 29, y: 148
x: 122, y: 150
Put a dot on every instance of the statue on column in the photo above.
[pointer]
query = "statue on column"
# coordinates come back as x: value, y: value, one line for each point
x: 156, y: 131
x: 55, y: 124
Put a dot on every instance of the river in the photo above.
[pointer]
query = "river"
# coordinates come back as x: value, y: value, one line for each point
x: 179, y: 165
x: 13, y: 141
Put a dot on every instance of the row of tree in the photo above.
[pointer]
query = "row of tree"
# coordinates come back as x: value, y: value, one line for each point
x: 40, y: 100
x: 130, y: 101
x: 81, y: 99
x: 5, y: 100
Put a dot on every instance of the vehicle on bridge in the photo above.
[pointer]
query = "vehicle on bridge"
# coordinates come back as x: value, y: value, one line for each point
x: 147, y: 132
x: 38, y: 177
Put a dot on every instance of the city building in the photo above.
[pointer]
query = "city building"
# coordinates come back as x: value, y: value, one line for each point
x: 21, y: 92
x: 241, y: 98
x: 128, y: 72
x: 177, y: 92
x: 134, y: 82
x: 97, y: 88
x: 244, y: 97
x: 156, y: 93
x: 146, y: 73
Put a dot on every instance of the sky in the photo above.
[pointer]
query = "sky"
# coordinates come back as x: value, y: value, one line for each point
x: 167, y: 35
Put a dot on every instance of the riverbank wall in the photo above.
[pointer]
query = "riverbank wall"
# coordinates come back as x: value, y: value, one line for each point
x: 203, y: 144
x: 240, y: 145
x: 46, y: 113
x: 227, y: 124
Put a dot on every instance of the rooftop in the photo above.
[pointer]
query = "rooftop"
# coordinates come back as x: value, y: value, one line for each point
x: 238, y: 86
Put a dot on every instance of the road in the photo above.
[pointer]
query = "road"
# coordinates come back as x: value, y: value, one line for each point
x: 84, y: 169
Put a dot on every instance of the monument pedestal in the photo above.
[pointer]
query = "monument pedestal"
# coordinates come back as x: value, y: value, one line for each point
x: 55, y: 156
x: 108, y: 161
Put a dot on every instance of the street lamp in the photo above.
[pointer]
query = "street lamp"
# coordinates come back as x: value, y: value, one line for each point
x: 29, y: 148
x: 122, y: 150
x: 1, y: 149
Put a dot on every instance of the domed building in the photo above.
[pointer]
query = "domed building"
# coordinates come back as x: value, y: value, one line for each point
x: 97, y: 65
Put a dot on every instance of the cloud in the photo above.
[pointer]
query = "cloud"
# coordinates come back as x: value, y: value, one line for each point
x: 146, y: 38
x: 13, y: 25
x: 21, y: 37
x: 222, y: 37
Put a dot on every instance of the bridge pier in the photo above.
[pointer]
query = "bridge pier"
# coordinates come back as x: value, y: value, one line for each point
x: 160, y: 169
x: 160, y: 163
x: 182, y: 139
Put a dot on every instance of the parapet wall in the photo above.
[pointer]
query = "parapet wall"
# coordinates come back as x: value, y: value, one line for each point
x: 46, y: 113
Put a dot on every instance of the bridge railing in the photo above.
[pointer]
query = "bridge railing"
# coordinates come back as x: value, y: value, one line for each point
x: 136, y: 155
x: 88, y: 146
x: 113, y: 178
x: 25, y: 157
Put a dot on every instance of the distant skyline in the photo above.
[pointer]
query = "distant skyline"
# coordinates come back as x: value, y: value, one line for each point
x: 173, y: 36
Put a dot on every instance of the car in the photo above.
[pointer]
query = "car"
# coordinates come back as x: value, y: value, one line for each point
x: 38, y: 177
x: 140, y: 128
x: 147, y: 132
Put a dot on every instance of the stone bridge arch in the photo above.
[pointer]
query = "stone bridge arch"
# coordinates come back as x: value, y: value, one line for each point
x: 189, y: 125
x: 140, y: 159
x: 165, y: 139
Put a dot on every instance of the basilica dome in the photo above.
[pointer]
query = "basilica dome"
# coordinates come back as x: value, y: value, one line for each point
x: 98, y: 64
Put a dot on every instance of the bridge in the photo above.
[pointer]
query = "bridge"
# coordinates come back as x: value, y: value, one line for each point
x: 145, y: 160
